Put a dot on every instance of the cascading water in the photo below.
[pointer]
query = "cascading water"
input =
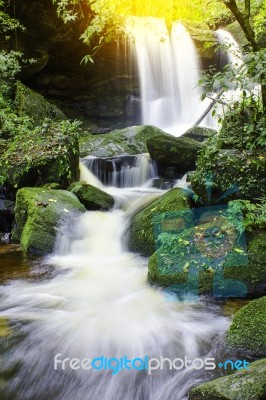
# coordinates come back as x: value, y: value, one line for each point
x: 99, y: 304
x: 168, y: 68
x: 231, y: 48
x: 123, y: 171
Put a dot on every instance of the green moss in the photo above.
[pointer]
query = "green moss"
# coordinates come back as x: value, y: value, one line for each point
x: 35, y: 106
x: 248, y: 329
x: 38, y: 212
x: 168, y: 268
x: 46, y: 154
x: 141, y: 231
x: 92, y: 197
x: 242, y: 385
x: 174, y: 151
x: 128, y: 141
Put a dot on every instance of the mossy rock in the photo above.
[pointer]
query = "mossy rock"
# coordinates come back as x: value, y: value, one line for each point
x: 48, y: 154
x: 199, y: 133
x: 38, y: 212
x: 35, y: 106
x: 168, y: 151
x: 248, y: 329
x: 128, y: 141
x: 92, y: 197
x: 242, y: 385
x: 143, y: 224
x: 236, y: 274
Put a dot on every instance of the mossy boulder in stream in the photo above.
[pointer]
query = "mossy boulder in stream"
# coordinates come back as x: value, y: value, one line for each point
x: 143, y: 224
x: 248, y: 329
x: 242, y: 385
x: 207, y: 260
x: 168, y: 150
x: 46, y: 154
x: 92, y: 197
x: 128, y: 141
x: 38, y: 213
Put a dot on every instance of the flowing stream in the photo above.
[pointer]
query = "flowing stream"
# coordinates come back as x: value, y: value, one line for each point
x: 98, y: 303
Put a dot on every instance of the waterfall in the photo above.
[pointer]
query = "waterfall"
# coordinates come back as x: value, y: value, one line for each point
x: 231, y: 49
x: 122, y: 171
x: 168, y: 68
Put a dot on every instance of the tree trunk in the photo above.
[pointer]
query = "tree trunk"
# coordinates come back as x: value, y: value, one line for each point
x: 243, y: 20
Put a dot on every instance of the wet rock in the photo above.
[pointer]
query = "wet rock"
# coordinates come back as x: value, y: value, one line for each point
x: 170, y: 151
x: 38, y: 213
x: 128, y: 141
x: 142, y: 227
x: 92, y: 197
x: 248, y: 329
x: 242, y: 385
x: 199, y: 133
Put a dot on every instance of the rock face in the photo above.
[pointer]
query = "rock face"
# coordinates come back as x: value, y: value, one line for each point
x: 242, y: 385
x: 142, y: 227
x: 184, y: 260
x: 180, y: 152
x: 248, y: 329
x: 38, y: 212
x: 128, y: 141
x: 46, y: 154
x: 199, y: 133
x: 92, y: 197
x: 35, y: 106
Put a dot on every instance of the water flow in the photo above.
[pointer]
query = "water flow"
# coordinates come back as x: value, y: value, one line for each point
x: 99, y: 304
x: 168, y: 68
x: 123, y: 171
x: 231, y: 48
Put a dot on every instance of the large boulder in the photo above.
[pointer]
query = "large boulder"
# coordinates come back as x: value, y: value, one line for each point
x: 92, y: 197
x: 248, y: 329
x: 128, y: 141
x: 35, y: 105
x: 48, y: 153
x: 207, y: 260
x: 142, y: 230
x: 38, y: 212
x: 242, y: 385
x: 180, y: 152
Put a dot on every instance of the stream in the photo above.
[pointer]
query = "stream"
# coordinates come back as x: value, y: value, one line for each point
x: 97, y: 304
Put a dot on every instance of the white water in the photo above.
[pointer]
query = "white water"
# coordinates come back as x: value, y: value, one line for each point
x: 169, y: 71
x: 123, y: 171
x: 231, y: 48
x: 99, y: 304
